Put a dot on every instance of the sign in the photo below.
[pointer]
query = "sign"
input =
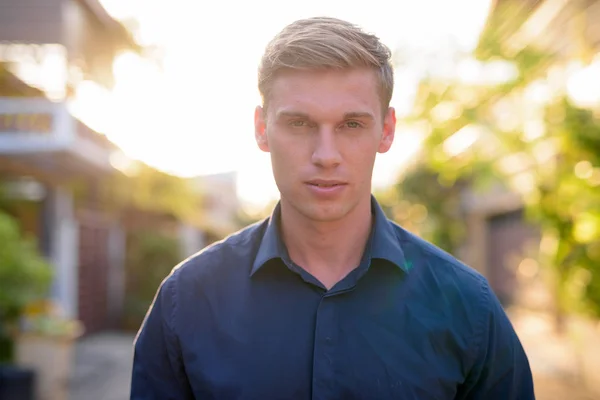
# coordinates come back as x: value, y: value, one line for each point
x: 26, y: 123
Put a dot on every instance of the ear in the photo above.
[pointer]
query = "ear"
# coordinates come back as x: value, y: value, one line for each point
x: 389, y: 129
x: 260, y: 129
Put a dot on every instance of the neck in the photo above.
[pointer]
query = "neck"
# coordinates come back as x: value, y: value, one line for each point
x: 328, y: 250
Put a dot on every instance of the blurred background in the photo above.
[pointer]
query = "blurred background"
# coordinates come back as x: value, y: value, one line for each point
x: 126, y: 145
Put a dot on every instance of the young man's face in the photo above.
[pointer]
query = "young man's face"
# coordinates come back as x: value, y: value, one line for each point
x: 323, y: 130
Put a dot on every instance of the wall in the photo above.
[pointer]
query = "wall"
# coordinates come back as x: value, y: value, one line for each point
x: 30, y: 21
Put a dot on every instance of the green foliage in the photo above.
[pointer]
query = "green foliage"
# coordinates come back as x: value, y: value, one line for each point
x: 25, y: 276
x: 423, y: 204
x: 572, y: 204
x: 557, y: 171
x: 150, y: 258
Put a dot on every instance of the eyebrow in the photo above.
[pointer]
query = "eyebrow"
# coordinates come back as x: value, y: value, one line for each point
x: 349, y: 115
x: 358, y: 115
x: 291, y: 114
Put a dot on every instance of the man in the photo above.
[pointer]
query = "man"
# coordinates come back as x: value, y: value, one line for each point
x: 326, y: 299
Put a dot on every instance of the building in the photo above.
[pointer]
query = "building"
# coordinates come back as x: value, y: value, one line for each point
x: 219, y: 207
x: 52, y: 162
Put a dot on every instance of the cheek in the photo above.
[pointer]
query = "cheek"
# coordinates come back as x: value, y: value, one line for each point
x: 360, y: 150
x: 363, y: 165
x: 360, y: 159
x: 285, y: 157
x: 289, y: 149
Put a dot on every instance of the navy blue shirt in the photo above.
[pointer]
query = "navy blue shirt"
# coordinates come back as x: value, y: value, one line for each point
x: 240, y: 320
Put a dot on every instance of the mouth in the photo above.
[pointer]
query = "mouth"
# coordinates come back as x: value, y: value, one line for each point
x: 325, y: 184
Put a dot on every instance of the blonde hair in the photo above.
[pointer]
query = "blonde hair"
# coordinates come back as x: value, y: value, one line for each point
x: 325, y: 43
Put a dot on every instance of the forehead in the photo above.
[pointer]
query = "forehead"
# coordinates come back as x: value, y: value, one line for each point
x: 325, y: 92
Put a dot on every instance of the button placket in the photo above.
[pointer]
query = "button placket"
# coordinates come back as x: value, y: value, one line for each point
x: 324, y: 350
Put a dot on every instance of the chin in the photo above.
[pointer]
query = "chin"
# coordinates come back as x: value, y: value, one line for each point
x: 310, y: 208
x: 324, y: 212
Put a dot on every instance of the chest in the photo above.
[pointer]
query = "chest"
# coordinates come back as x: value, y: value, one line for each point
x: 322, y: 348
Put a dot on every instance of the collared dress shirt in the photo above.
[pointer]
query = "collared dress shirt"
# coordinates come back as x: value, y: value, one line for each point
x: 240, y: 320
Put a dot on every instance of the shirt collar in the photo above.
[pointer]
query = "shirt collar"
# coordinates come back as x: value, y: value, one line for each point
x: 271, y: 245
x: 384, y: 243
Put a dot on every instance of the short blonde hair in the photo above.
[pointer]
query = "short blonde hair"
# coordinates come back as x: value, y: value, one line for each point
x: 325, y: 43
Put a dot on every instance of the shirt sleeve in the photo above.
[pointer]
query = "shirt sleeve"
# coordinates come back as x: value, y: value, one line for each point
x: 158, y: 371
x: 501, y: 370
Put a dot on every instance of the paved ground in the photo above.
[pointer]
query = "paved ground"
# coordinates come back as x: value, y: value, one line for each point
x: 552, y: 388
x: 102, y: 367
x: 552, y: 361
x: 103, y: 363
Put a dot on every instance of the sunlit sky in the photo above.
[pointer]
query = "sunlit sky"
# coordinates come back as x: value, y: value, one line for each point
x: 193, y: 114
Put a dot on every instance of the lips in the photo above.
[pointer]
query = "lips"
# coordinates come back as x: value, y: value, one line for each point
x: 325, y: 183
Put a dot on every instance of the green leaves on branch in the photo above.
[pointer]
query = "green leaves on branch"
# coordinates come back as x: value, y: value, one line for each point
x: 25, y: 276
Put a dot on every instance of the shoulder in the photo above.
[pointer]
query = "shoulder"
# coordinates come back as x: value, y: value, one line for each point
x: 434, y: 261
x: 462, y: 292
x: 222, y: 260
x: 453, y: 291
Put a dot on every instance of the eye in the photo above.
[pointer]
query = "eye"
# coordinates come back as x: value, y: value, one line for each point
x: 298, y: 123
x: 352, y: 124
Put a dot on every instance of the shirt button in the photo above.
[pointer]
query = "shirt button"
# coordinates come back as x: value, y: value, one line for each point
x: 328, y: 340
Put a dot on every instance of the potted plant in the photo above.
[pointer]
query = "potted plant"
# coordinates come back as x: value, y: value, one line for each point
x: 24, y: 277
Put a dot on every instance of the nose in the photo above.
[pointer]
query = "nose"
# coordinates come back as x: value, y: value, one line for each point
x: 326, y: 153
